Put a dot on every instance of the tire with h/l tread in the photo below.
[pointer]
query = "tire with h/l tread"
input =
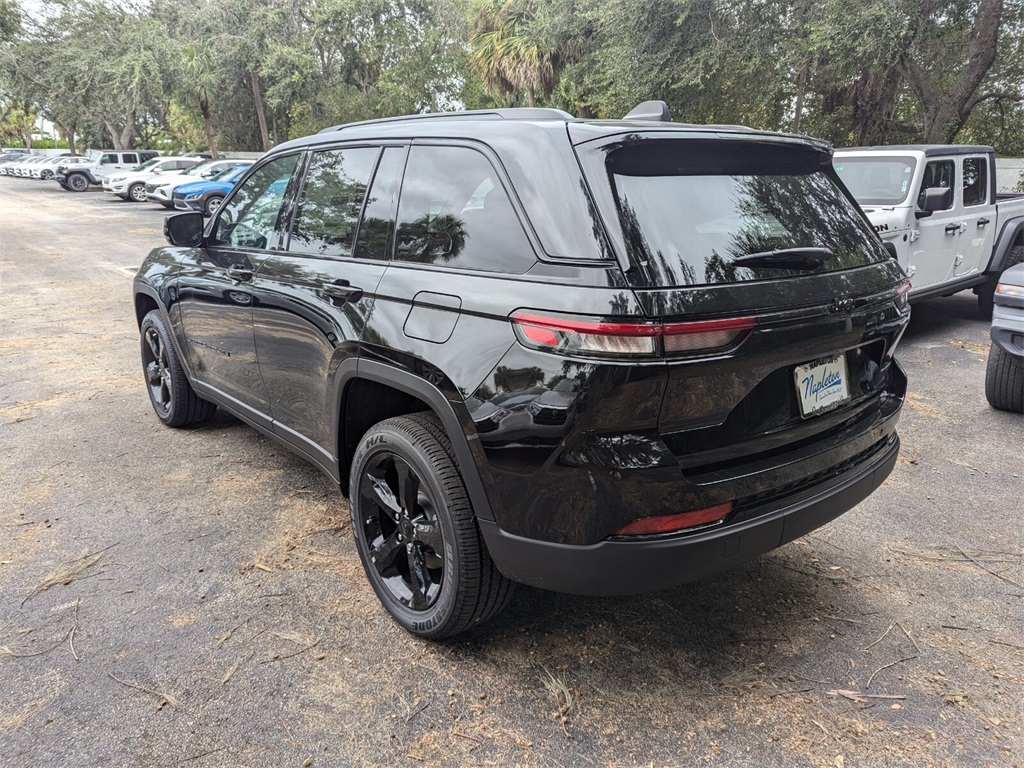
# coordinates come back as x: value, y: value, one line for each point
x: 416, y: 532
x: 175, y: 402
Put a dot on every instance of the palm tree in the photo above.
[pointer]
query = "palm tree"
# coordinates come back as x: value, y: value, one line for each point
x: 509, y: 52
x: 200, y: 81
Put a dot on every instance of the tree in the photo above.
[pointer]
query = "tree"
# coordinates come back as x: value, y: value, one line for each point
x: 510, y: 51
x: 200, y: 83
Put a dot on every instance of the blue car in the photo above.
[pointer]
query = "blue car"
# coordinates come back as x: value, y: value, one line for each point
x: 207, y: 195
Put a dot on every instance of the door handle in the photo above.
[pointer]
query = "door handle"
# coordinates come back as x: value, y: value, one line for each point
x: 952, y: 229
x: 982, y: 222
x: 341, y: 289
x: 240, y: 272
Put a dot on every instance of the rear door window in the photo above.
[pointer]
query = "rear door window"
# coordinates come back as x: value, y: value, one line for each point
x: 454, y: 211
x: 689, y: 208
x: 975, y: 181
x: 378, y: 222
x: 331, y: 200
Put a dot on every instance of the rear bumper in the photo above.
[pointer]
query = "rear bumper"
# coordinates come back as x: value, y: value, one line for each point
x: 617, y: 567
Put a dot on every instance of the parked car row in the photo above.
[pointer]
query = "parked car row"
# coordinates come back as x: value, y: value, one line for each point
x: 188, y: 182
x: 35, y: 166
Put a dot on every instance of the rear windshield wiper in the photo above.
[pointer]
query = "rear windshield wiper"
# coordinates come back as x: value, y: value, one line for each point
x: 787, y: 258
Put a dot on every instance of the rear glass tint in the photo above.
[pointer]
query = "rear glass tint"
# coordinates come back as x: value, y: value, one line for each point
x: 690, y: 208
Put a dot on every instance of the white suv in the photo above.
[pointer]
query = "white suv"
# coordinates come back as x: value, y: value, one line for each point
x: 132, y: 185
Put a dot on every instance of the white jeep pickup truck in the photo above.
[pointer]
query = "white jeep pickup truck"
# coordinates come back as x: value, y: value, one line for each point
x: 937, y: 204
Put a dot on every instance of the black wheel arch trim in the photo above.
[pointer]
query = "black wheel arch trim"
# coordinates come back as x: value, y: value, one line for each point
x: 404, y: 381
x: 1004, y: 243
x: 142, y: 288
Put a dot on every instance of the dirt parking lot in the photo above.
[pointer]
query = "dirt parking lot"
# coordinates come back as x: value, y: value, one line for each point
x: 194, y: 597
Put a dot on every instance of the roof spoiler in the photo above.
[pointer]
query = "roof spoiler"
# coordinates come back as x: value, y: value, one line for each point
x: 651, y: 110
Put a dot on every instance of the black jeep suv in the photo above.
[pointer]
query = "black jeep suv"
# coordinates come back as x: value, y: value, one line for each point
x: 593, y: 357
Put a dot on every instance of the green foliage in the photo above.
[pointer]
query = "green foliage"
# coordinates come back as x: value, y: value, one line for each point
x: 49, y: 144
x: 244, y: 74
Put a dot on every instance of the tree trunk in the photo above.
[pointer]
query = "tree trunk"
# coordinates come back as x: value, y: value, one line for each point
x: 798, y: 109
x: 69, y: 134
x: 211, y: 136
x: 946, y: 111
x: 257, y: 98
x: 531, y: 96
x: 115, y: 136
x: 128, y: 134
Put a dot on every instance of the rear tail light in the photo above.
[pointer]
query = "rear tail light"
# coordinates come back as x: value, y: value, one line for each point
x: 637, y: 339
x: 652, y: 526
x: 903, y: 295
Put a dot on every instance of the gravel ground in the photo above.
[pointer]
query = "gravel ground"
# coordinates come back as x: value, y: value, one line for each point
x: 193, y: 597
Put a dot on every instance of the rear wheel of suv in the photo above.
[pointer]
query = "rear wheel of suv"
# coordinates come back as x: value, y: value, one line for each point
x: 137, y: 193
x: 1004, y: 381
x: 173, y: 399
x: 77, y: 182
x: 416, y: 533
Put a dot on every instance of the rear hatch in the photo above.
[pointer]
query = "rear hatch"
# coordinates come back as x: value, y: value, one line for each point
x: 753, y: 234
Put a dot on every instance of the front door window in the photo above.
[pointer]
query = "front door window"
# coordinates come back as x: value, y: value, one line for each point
x: 252, y: 217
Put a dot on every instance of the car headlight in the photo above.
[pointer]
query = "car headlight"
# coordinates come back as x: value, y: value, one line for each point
x: 1005, y: 289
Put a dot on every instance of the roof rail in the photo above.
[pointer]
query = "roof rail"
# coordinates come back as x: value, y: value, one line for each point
x: 515, y: 113
x: 650, y: 110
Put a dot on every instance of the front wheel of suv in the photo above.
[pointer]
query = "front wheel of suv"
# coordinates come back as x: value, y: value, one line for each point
x: 76, y: 182
x: 213, y: 204
x: 137, y: 193
x: 416, y: 533
x: 173, y: 399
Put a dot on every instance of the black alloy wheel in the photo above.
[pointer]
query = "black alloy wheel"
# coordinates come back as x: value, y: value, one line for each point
x: 402, y: 530
x: 76, y: 182
x: 173, y: 399
x: 416, y: 533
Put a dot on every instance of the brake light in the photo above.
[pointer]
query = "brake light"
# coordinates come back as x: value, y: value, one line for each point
x: 586, y: 336
x: 649, y: 526
x: 903, y: 295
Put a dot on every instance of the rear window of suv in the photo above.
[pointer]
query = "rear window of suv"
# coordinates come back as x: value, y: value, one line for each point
x: 689, y: 208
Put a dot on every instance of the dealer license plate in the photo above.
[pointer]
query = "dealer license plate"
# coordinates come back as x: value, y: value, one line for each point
x: 821, y: 385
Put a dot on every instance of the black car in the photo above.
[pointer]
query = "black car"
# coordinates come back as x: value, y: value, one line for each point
x: 599, y: 357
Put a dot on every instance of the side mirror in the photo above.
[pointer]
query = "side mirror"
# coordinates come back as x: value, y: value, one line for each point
x: 184, y: 229
x: 891, y: 248
x: 935, y: 199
